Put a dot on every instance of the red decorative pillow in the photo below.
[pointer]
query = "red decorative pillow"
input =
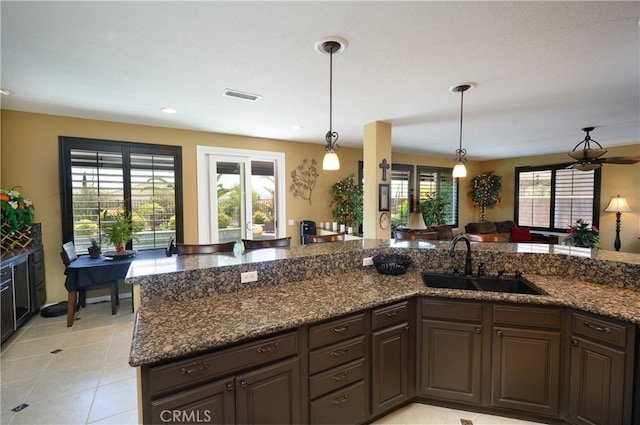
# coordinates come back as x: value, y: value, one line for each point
x: 520, y: 234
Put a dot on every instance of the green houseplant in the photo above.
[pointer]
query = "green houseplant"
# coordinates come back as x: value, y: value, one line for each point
x: 485, y: 191
x: 346, y: 198
x: 582, y: 234
x: 120, y: 228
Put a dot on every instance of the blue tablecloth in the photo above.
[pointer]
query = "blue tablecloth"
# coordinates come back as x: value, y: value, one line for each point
x: 86, y: 271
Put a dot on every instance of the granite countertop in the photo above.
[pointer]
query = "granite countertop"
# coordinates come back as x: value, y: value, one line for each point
x: 166, y: 330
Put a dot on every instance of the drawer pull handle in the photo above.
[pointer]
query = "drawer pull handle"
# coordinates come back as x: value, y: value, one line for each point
x: 243, y: 384
x: 391, y: 313
x: 574, y: 342
x: 229, y: 386
x: 596, y: 328
x: 339, y: 353
x: 269, y: 348
x: 499, y: 333
x: 340, y: 376
x: 194, y: 367
x: 340, y: 329
x: 478, y: 330
x: 340, y: 400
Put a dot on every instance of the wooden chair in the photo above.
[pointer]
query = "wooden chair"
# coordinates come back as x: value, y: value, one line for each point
x: 416, y: 236
x: 267, y: 243
x: 337, y: 237
x: 188, y: 249
x: 78, y: 299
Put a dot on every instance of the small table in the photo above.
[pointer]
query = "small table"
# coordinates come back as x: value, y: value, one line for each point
x: 86, y: 272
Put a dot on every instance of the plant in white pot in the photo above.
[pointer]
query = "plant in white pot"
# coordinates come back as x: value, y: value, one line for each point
x: 120, y: 228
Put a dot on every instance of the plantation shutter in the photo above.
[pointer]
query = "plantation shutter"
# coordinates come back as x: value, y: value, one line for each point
x: 573, y: 197
x: 436, y: 180
x: 97, y: 185
x: 534, y: 188
x: 401, y: 185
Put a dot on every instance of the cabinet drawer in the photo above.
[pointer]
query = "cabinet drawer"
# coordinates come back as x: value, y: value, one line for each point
x: 454, y: 310
x: 599, y: 329
x: 186, y: 373
x: 5, y: 273
x: 38, y: 271
x: 334, y: 355
x: 345, y: 406
x: 336, y: 330
x: 527, y: 316
x: 338, y: 377
x: 390, y: 315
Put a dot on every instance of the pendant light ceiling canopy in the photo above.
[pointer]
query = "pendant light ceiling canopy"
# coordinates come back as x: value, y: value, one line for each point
x: 459, y: 170
x: 331, y: 46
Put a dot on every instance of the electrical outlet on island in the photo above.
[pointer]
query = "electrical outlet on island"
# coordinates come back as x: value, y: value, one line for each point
x: 247, y: 277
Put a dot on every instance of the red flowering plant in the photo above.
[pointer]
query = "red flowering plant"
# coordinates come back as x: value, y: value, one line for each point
x: 17, y: 211
x: 582, y: 234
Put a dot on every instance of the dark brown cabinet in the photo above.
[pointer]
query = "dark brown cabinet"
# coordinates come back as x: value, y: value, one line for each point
x: 257, y: 382
x: 451, y: 347
x: 339, y: 371
x: 390, y: 358
x: 7, y: 319
x: 600, y: 377
x: 526, y: 359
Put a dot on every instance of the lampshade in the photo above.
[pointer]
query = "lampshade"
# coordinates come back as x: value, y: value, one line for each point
x: 416, y: 222
x: 459, y: 170
x: 618, y: 204
x: 331, y: 161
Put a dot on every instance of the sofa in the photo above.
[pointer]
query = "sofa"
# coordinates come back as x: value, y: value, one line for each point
x: 503, y: 231
x: 444, y: 232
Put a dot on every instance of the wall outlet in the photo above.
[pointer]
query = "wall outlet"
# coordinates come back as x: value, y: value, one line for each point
x: 367, y: 261
x: 290, y: 222
x: 247, y: 277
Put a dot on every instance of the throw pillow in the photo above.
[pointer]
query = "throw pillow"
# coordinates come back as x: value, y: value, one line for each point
x: 520, y: 234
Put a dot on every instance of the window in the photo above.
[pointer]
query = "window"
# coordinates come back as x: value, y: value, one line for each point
x: 98, y: 176
x: 439, y: 187
x: 552, y: 197
x: 432, y: 182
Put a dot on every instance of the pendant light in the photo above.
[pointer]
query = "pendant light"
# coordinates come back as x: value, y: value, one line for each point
x: 331, y: 160
x: 459, y: 170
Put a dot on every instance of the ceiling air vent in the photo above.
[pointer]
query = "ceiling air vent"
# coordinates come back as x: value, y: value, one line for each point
x: 241, y: 95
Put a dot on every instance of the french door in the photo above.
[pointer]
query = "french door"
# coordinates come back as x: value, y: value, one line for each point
x: 239, y: 195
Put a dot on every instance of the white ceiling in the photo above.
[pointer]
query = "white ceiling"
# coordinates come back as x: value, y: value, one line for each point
x: 543, y: 70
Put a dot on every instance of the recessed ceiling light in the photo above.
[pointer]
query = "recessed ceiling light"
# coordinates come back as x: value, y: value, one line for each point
x: 296, y: 127
x: 5, y: 92
x: 168, y: 110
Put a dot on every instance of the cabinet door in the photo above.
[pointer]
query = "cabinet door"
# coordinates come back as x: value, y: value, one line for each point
x: 211, y: 403
x: 451, y: 360
x: 6, y: 309
x: 596, y: 383
x: 390, y: 367
x: 269, y: 395
x: 526, y: 370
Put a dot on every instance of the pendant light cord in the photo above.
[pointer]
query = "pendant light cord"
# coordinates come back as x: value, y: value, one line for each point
x: 331, y: 91
x: 461, y: 110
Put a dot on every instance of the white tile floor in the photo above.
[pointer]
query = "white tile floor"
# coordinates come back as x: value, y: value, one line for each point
x: 90, y: 380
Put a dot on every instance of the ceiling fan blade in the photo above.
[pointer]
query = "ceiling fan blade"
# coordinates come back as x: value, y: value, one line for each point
x: 620, y: 160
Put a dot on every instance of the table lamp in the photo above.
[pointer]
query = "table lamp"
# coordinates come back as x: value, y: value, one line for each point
x: 617, y: 204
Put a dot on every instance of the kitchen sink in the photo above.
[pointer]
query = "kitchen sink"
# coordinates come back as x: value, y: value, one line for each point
x: 448, y: 281
x: 512, y: 285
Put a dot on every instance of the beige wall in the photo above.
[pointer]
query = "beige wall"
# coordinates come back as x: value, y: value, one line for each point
x: 30, y: 160
x: 616, y: 179
x: 29, y: 151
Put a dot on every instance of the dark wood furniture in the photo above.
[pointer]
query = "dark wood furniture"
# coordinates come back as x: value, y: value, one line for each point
x: 255, y: 382
x: 337, y: 237
x: 417, y: 236
x: 189, y: 249
x: 68, y: 255
x: 267, y: 243
x: 498, y: 358
x: 600, y: 388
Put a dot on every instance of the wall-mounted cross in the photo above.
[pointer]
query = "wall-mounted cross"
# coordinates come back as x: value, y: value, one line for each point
x: 385, y: 166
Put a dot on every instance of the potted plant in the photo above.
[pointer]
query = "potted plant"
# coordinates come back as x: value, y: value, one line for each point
x: 120, y: 228
x: 94, y: 249
x: 346, y: 196
x: 582, y: 234
x: 485, y: 191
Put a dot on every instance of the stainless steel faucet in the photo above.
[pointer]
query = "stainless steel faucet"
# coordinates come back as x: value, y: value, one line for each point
x: 468, y: 269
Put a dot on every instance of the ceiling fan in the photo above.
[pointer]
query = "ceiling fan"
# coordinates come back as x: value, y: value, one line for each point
x: 588, y: 158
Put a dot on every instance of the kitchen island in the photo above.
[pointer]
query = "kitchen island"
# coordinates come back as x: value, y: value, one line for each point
x: 195, y: 306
